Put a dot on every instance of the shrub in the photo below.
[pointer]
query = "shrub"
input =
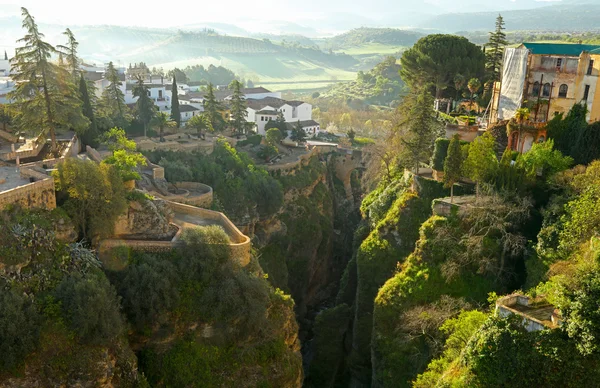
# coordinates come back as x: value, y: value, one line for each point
x: 90, y: 308
x: 19, y: 328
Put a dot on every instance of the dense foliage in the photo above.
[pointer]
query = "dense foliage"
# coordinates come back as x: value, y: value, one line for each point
x: 241, y: 188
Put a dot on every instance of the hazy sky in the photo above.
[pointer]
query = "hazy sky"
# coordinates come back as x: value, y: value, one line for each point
x: 150, y: 13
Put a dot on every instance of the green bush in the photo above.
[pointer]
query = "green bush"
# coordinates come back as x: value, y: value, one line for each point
x: 19, y: 328
x: 90, y: 308
x: 253, y: 140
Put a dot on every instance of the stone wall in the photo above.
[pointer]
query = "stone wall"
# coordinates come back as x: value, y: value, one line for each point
x: 93, y: 154
x: 72, y: 150
x: 240, y: 243
x: 199, y: 194
x: 302, y: 160
x: 40, y: 194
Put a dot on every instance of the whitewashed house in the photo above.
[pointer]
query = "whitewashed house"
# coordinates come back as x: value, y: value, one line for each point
x: 261, y: 111
x: 188, y: 111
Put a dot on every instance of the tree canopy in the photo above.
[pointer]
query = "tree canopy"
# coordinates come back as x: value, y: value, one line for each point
x: 436, y: 59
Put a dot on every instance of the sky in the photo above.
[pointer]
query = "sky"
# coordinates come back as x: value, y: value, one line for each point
x: 163, y: 14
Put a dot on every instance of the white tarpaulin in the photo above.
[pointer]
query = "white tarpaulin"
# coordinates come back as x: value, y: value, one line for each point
x: 513, y: 82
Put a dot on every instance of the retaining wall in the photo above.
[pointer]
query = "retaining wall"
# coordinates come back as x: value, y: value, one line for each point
x: 240, y: 243
x: 40, y: 194
x: 201, y: 200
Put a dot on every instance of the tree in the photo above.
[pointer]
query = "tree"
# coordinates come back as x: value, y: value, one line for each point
x: 43, y: 96
x: 6, y: 116
x: 274, y: 136
x: 113, y: 97
x: 521, y: 116
x: 213, y: 109
x: 162, y: 121
x: 5, y: 56
x: 474, y: 85
x: 144, y: 106
x: 495, y: 50
x: 459, y: 84
x: 453, y: 165
x: 238, y: 108
x: 93, y: 195
x: 418, y: 128
x: 70, y: 51
x: 124, y: 157
x: 179, y: 75
x: 437, y: 58
x: 89, y: 136
x: 351, y: 135
x: 201, y: 123
x: 298, y: 133
x: 481, y: 162
x: 175, y: 113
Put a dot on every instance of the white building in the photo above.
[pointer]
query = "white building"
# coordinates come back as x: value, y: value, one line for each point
x: 311, y: 127
x: 188, y: 111
x: 260, y: 111
x: 256, y: 94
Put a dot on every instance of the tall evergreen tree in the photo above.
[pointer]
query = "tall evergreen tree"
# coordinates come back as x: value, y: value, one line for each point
x: 5, y: 56
x: 89, y: 136
x: 41, y: 95
x: 213, y: 109
x: 453, y: 165
x: 175, y: 113
x: 419, y: 127
x: 238, y: 107
x: 495, y: 50
x: 70, y: 52
x: 113, y: 98
x: 144, y: 105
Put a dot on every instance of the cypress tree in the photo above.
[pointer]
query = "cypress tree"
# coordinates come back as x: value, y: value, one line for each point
x: 238, y: 107
x: 89, y: 136
x: 453, y: 165
x: 495, y: 50
x: 5, y: 56
x: 144, y: 105
x: 175, y: 113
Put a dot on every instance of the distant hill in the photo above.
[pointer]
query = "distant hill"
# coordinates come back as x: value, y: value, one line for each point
x: 362, y: 36
x: 559, y: 17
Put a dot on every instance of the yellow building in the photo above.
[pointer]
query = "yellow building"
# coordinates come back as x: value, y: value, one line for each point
x: 548, y: 78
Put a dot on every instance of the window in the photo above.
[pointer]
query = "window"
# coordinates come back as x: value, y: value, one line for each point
x: 558, y: 63
x: 546, y: 90
x: 262, y: 118
x: 590, y: 67
x: 562, y: 91
x: 148, y: 93
x: 586, y: 92
x: 160, y: 94
x: 536, y: 89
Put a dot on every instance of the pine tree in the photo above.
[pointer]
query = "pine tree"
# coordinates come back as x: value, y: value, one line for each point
x: 298, y: 133
x: 238, y: 107
x: 175, y: 113
x: 495, y: 50
x: 213, y: 109
x: 89, y: 137
x: 481, y: 163
x: 43, y: 96
x: 113, y: 97
x: 419, y: 127
x: 70, y: 51
x: 453, y: 165
x: 144, y: 105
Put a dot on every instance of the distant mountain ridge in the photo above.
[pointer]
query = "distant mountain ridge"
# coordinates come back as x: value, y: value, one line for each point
x: 576, y: 15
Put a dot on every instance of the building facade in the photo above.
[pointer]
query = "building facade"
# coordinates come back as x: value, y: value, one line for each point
x: 555, y: 77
